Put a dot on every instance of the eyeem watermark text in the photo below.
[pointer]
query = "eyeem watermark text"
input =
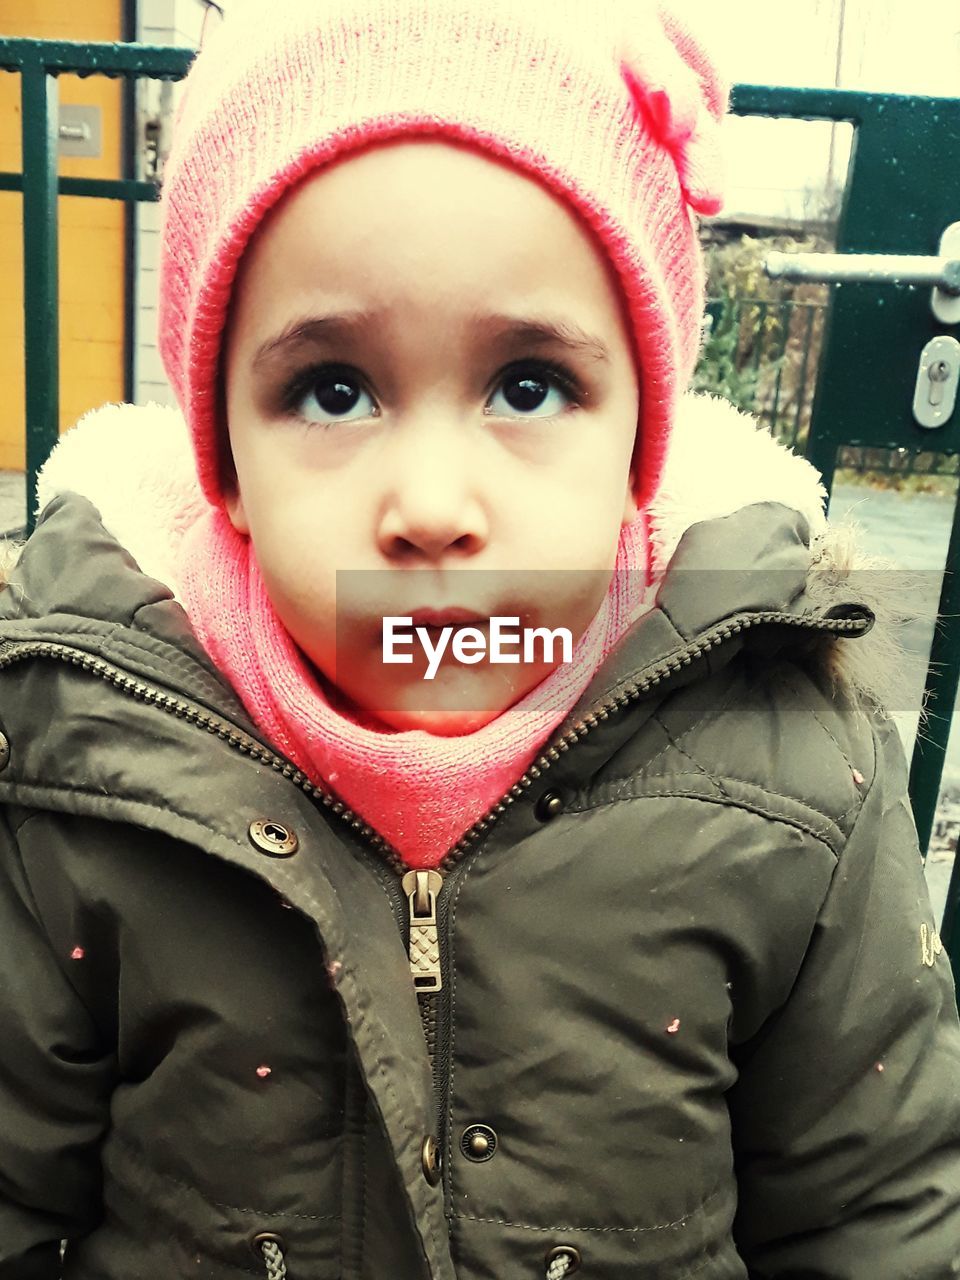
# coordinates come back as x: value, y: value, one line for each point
x: 468, y: 644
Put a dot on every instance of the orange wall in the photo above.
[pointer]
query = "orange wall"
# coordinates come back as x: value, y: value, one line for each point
x: 91, y: 233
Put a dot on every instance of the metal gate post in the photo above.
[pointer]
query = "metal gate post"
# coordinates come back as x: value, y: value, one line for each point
x: 902, y: 194
x: 41, y: 302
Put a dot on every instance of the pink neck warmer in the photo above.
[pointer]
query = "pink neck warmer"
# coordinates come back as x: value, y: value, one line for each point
x: 418, y: 790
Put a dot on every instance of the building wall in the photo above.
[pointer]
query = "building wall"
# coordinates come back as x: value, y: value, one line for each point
x: 91, y: 233
x: 163, y: 22
x: 170, y: 21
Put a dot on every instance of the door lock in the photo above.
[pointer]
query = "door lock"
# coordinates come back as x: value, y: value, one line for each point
x: 935, y: 396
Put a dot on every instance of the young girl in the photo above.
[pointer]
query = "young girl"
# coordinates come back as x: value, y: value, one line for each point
x: 319, y: 965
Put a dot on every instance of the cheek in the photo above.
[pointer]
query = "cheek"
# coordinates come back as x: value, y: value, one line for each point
x: 301, y: 586
x: 577, y: 530
x: 298, y: 541
x: 287, y: 499
x: 586, y: 485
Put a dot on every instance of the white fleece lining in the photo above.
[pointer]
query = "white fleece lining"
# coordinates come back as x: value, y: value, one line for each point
x: 134, y: 463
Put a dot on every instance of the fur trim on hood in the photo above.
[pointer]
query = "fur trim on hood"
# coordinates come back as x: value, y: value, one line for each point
x: 134, y: 463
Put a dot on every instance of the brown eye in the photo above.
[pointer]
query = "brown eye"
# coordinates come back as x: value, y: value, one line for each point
x: 328, y: 394
x: 527, y: 393
x: 529, y: 387
x: 333, y: 395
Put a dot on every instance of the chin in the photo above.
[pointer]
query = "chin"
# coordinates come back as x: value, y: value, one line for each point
x: 447, y: 713
x: 442, y: 723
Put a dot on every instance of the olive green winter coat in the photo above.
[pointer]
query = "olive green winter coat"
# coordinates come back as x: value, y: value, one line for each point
x: 692, y: 1018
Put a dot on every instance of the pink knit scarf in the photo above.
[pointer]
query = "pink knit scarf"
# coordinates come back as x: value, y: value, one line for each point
x: 418, y: 790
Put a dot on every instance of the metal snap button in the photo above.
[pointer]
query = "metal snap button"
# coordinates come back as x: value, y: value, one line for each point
x: 478, y: 1142
x: 273, y: 838
x: 562, y: 1253
x: 430, y: 1160
x: 4, y: 751
x: 549, y: 805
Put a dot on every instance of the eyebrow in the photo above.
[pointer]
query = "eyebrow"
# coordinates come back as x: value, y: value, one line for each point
x: 501, y: 331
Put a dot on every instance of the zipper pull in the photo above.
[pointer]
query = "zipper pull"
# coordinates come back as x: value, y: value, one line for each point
x: 422, y: 888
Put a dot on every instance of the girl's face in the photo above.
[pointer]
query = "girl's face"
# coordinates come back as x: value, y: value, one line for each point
x: 432, y: 403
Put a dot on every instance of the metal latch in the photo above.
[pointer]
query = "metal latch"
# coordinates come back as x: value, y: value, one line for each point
x: 944, y: 304
x: 943, y: 272
x: 936, y: 393
x: 79, y: 130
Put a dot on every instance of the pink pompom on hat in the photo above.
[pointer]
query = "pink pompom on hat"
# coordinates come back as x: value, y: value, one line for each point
x: 614, y: 104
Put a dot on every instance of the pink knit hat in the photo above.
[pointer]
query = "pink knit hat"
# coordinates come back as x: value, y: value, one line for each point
x: 613, y: 104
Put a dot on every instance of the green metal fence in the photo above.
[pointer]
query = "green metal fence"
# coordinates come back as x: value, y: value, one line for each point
x: 40, y: 63
x: 764, y: 355
x: 900, y: 176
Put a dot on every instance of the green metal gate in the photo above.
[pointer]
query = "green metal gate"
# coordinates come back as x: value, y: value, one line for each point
x: 39, y: 63
x: 903, y: 190
x: 901, y: 196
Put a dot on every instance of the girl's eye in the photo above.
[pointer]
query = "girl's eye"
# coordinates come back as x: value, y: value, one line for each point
x: 527, y: 388
x: 335, y: 393
x: 328, y: 395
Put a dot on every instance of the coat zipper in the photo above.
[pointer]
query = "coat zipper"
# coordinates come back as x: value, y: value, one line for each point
x: 423, y: 889
x: 426, y: 901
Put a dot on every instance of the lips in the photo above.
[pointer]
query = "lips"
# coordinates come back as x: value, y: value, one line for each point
x: 453, y: 617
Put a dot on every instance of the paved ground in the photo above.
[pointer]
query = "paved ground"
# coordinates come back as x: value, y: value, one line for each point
x: 13, y: 502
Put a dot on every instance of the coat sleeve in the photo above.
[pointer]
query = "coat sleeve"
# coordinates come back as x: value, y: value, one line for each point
x: 846, y: 1113
x: 55, y: 1082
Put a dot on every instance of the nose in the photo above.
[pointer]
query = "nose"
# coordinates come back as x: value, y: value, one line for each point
x: 432, y: 506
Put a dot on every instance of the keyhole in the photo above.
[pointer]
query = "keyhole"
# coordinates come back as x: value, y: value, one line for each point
x: 938, y: 373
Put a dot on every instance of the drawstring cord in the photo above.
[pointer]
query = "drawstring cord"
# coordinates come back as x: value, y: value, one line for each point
x: 273, y: 1257
x: 559, y: 1267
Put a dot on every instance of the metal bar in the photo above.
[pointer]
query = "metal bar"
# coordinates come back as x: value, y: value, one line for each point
x: 943, y: 677
x: 786, y: 319
x: 761, y: 325
x: 802, y: 393
x: 39, y: 97
x: 104, y: 188
x: 128, y: 169
x: 930, y: 748
x: 158, y: 62
x: 736, y: 335
x: 822, y: 453
x: 949, y: 931
x: 820, y: 449
x: 865, y: 268
x: 853, y: 105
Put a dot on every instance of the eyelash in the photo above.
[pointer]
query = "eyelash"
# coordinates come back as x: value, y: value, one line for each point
x: 305, y: 380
